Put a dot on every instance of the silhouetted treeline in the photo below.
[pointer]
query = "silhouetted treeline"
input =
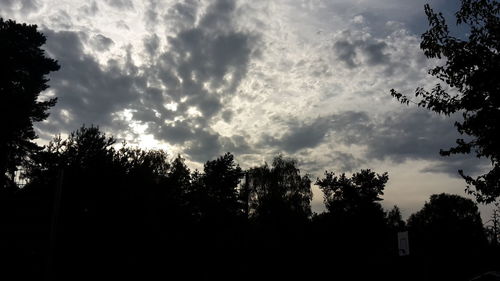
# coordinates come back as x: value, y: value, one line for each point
x: 90, y: 210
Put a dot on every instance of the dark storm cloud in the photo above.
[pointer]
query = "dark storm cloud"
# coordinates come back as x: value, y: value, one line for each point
x: 120, y: 4
x: 87, y: 92
x: 101, y: 43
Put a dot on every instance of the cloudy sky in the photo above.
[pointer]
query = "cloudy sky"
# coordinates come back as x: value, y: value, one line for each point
x: 306, y: 78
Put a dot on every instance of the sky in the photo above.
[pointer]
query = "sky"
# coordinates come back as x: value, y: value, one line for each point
x: 309, y: 79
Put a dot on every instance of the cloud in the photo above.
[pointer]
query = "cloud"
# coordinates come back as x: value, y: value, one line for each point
x: 346, y: 52
x: 412, y: 134
x: 452, y: 164
x: 207, y: 145
x: 196, y: 76
x: 24, y: 7
x: 101, y: 43
x: 87, y: 92
x: 417, y: 134
x: 348, y: 127
x: 89, y: 9
x: 151, y: 44
x: 346, y: 161
x: 195, y: 57
x: 354, y: 49
x: 184, y: 80
x: 301, y: 135
x: 181, y: 16
x: 120, y: 4
x: 60, y: 19
x: 227, y: 115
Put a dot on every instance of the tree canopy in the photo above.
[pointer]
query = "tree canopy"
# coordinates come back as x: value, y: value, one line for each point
x: 471, y: 67
x: 447, y: 233
x: 22, y: 79
x: 279, y: 192
x: 347, y: 194
x: 124, y: 205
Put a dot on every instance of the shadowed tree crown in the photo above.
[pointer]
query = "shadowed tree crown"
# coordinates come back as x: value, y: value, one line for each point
x: 22, y: 79
x: 279, y: 192
x: 344, y: 194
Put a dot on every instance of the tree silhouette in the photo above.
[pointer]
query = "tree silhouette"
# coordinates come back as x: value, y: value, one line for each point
x: 357, y: 223
x: 355, y: 196
x: 395, y: 220
x: 279, y: 209
x: 447, y: 238
x: 493, y: 229
x: 471, y: 67
x: 221, y: 179
x: 22, y: 79
x: 131, y: 212
x: 279, y: 193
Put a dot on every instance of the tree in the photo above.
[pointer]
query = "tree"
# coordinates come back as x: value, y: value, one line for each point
x: 22, y: 79
x: 471, y: 69
x: 221, y: 179
x: 179, y: 174
x: 353, y: 203
x: 279, y: 208
x: 395, y: 220
x: 279, y: 193
x: 493, y: 229
x: 355, y: 222
x: 214, y: 192
x: 447, y: 236
x: 350, y: 195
